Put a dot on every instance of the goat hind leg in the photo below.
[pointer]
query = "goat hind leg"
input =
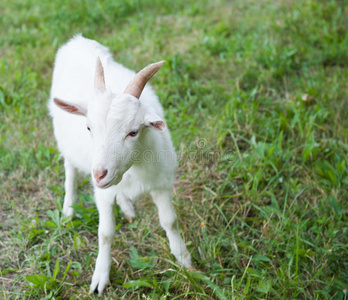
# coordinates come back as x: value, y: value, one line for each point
x: 70, y: 189
x: 126, y: 206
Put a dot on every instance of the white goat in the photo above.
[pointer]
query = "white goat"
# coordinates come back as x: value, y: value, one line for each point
x: 104, y: 127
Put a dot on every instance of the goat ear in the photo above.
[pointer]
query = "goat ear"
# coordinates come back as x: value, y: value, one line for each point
x: 154, y: 121
x: 99, y: 80
x: 70, y: 108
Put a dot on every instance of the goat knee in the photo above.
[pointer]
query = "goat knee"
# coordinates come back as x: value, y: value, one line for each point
x: 169, y: 223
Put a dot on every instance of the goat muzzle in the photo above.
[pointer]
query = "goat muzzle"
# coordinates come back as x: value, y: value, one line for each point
x: 100, y: 174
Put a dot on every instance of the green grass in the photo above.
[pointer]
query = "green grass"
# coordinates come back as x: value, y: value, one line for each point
x: 256, y: 96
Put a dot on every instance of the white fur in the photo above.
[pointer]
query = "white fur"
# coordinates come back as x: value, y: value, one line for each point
x: 135, y: 165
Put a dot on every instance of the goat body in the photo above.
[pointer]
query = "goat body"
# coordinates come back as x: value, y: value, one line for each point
x: 109, y: 125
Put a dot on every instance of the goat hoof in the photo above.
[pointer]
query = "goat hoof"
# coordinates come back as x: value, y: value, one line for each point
x: 99, y: 282
x: 129, y: 219
x: 68, y: 211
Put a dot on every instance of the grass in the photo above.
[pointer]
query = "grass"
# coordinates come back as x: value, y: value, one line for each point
x: 256, y: 96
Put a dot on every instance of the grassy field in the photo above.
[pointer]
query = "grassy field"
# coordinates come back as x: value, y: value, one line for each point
x: 256, y: 96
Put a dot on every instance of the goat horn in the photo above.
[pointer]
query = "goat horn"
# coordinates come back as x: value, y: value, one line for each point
x: 136, y: 86
x: 99, y: 80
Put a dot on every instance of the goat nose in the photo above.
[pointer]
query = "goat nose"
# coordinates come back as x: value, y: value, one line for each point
x: 99, y: 174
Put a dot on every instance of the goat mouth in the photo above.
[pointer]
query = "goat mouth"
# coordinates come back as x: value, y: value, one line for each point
x: 108, y: 184
x: 104, y: 186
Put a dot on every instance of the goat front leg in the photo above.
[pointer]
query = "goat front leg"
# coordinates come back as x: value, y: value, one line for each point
x: 70, y: 189
x: 169, y: 222
x: 105, y: 200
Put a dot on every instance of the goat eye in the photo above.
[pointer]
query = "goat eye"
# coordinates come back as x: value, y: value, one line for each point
x: 133, y: 133
x: 88, y: 128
